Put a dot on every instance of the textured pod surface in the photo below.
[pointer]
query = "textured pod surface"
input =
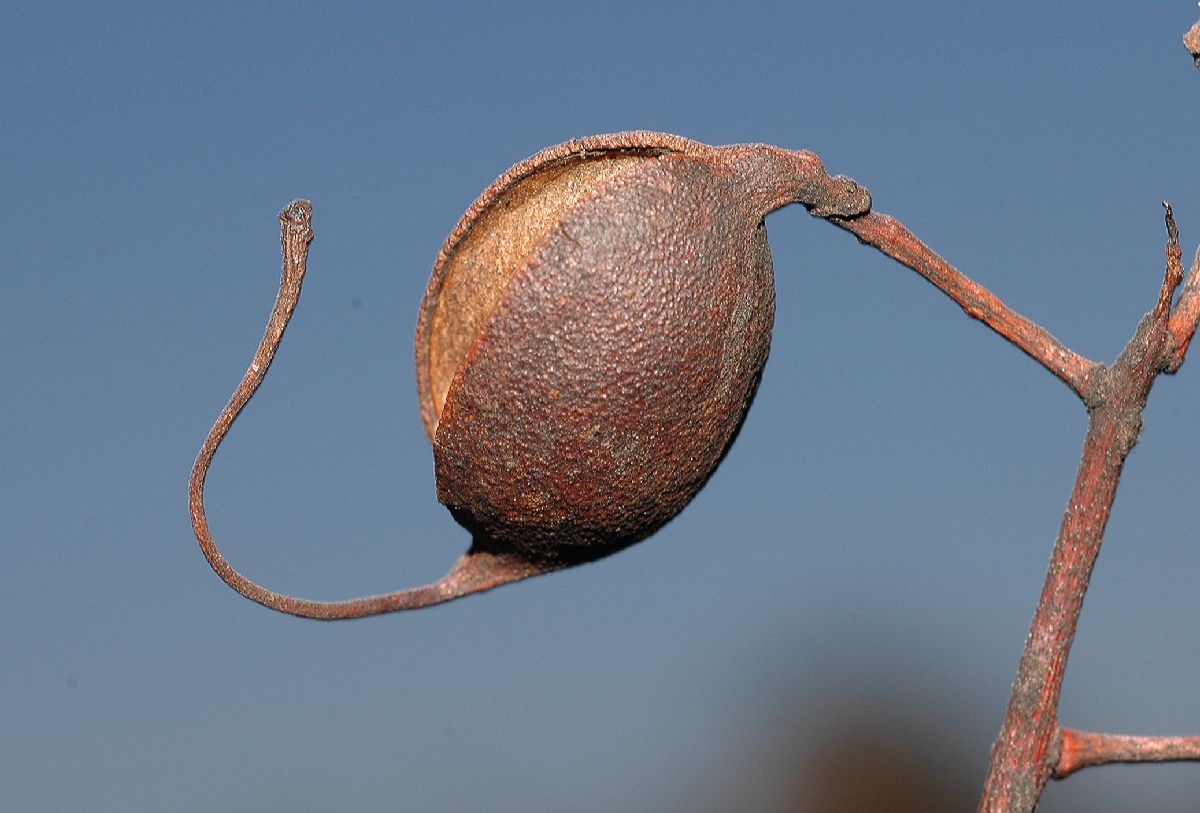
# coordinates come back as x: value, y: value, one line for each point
x: 587, y: 348
x: 593, y: 335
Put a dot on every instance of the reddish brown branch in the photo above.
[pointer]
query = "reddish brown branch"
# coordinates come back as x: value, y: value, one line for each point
x: 1187, y: 310
x: 1026, y: 752
x: 1023, y: 755
x: 895, y: 240
x: 1029, y: 749
x: 476, y: 571
x: 1083, y: 749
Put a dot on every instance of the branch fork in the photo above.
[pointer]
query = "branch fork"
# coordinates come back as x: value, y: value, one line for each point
x: 1031, y: 747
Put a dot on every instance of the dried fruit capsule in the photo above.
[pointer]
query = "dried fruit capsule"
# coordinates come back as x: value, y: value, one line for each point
x: 587, y: 348
x: 593, y: 334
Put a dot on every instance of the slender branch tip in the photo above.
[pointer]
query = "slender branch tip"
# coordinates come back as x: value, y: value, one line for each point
x: 1172, y: 229
x: 1173, y: 277
x: 299, y: 210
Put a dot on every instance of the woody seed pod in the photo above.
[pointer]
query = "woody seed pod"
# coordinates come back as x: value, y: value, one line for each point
x: 589, y: 343
x: 593, y: 334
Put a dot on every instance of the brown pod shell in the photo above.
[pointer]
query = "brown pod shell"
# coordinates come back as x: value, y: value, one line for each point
x: 593, y: 334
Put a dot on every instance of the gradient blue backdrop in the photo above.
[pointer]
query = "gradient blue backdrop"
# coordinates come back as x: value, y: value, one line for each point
x: 869, y: 553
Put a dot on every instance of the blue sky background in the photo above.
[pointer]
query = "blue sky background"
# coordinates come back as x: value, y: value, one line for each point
x: 866, y: 559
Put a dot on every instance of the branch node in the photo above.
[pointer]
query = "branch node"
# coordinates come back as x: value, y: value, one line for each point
x: 1085, y: 749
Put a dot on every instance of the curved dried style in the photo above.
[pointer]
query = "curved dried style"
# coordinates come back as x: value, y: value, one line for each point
x: 475, y: 572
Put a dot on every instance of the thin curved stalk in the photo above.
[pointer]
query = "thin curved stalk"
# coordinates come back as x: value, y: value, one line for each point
x: 476, y: 571
x: 890, y: 236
